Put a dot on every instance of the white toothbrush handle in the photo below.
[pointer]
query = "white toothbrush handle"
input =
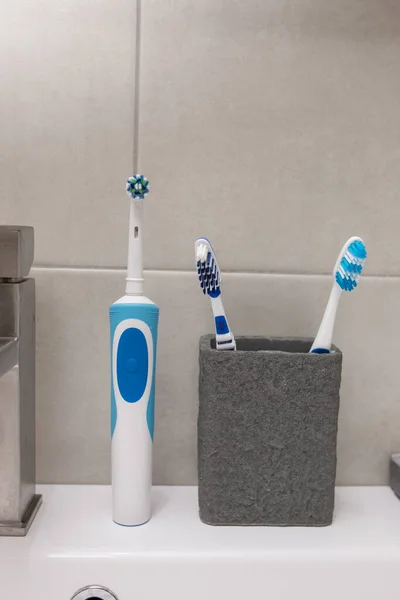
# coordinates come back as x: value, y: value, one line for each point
x: 131, y: 464
x: 223, y: 335
x: 323, y: 339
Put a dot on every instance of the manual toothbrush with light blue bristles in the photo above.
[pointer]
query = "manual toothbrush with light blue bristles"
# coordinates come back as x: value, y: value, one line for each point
x: 210, y: 282
x: 346, y: 273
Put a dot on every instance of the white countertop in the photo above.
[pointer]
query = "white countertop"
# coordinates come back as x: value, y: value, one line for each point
x: 74, y: 538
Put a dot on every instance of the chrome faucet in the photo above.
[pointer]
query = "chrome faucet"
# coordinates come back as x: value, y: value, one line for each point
x: 18, y: 501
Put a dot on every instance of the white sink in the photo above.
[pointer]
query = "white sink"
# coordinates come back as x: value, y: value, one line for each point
x: 74, y: 543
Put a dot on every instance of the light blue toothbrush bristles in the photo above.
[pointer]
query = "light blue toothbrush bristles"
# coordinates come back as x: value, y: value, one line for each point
x: 351, y: 265
x: 137, y: 187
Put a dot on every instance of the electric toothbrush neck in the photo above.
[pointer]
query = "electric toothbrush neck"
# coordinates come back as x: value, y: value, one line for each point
x: 134, y: 279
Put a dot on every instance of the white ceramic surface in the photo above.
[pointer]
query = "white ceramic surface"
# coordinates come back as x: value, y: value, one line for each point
x: 74, y: 543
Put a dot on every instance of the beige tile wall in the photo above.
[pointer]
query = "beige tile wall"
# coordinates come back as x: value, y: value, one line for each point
x: 272, y: 128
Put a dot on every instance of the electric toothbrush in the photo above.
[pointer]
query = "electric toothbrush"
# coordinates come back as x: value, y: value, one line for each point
x: 133, y: 329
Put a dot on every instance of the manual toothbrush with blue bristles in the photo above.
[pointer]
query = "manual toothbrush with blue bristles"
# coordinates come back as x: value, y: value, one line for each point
x: 210, y: 283
x: 346, y: 273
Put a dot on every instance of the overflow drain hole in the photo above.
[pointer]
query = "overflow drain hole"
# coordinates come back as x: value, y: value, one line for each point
x: 94, y: 592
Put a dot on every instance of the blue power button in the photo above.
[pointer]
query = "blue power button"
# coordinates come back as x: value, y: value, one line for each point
x: 132, y: 364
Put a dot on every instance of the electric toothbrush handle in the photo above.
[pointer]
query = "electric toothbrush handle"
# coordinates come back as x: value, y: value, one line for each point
x: 133, y: 352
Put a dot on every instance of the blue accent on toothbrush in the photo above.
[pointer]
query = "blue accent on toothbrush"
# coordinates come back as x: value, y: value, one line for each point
x: 320, y: 351
x: 132, y: 370
x: 148, y: 313
x: 214, y: 293
x: 225, y: 342
x: 113, y: 407
x: 346, y: 283
x: 350, y: 267
x: 221, y: 325
x: 358, y: 249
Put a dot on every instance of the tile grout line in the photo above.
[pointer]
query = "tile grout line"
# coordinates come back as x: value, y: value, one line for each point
x: 189, y: 271
x: 137, y: 87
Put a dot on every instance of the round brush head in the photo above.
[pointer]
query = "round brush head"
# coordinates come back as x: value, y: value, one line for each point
x: 137, y: 187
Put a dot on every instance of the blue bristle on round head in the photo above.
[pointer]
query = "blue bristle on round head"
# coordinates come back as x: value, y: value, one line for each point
x: 208, y: 273
x: 137, y: 187
x: 351, y: 265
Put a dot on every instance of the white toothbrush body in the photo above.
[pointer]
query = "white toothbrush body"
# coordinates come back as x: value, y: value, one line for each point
x: 323, y: 339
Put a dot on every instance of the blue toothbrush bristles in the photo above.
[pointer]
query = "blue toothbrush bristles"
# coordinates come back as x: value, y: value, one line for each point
x: 358, y: 250
x: 208, y: 272
x: 137, y: 187
x: 351, y: 265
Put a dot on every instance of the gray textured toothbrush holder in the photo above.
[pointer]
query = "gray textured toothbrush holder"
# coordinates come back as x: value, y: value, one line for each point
x: 267, y: 432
